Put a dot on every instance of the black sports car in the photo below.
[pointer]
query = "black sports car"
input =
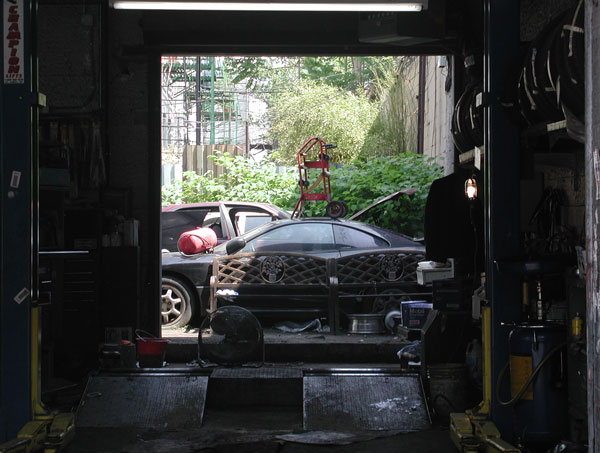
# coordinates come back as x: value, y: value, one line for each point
x: 289, y: 268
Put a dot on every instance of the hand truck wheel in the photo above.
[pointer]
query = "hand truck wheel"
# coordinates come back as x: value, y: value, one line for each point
x: 335, y: 209
x: 346, y: 209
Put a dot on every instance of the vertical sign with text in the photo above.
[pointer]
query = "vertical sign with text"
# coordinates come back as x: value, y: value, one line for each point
x: 13, y: 41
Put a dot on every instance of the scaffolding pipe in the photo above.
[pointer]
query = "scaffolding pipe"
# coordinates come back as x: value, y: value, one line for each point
x: 212, y: 100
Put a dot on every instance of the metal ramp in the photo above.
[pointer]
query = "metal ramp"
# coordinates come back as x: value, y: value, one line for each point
x: 161, y: 401
x: 351, y: 401
x: 329, y: 399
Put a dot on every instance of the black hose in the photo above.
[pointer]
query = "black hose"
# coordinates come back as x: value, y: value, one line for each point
x: 523, y: 389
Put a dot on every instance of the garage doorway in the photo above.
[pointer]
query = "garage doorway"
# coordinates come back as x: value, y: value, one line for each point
x: 217, y: 111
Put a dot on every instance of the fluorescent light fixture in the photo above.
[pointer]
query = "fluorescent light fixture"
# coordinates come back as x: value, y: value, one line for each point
x: 276, y: 5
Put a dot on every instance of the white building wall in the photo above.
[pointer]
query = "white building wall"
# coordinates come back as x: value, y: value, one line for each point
x: 438, y: 106
x: 437, y: 137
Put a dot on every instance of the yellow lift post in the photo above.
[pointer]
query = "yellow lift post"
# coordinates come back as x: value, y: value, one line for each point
x: 473, y: 430
x: 48, y: 431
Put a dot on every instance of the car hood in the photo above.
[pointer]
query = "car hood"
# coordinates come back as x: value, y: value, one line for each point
x: 390, y: 197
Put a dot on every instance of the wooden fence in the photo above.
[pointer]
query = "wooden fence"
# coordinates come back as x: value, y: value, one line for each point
x: 196, y: 157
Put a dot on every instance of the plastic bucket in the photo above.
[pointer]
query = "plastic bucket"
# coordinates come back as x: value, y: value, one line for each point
x: 151, y: 351
x: 448, y: 388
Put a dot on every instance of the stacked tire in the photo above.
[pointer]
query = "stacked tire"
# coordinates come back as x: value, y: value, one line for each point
x: 551, y: 85
x: 467, y: 119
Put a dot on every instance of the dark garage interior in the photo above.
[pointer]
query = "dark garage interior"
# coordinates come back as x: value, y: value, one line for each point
x: 81, y: 152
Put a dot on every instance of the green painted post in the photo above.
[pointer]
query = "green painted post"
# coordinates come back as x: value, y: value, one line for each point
x: 212, y: 100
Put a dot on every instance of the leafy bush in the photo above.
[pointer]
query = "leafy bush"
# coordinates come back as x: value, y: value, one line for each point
x: 358, y: 185
x: 319, y: 110
x: 366, y: 182
x: 243, y: 180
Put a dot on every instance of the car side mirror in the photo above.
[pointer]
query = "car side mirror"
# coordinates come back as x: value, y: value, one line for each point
x: 235, y: 245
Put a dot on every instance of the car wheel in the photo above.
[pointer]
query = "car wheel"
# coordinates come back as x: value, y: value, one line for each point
x: 176, y: 305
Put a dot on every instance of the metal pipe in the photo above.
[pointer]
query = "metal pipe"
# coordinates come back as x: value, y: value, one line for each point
x: 212, y: 100
x: 486, y: 314
x: 592, y: 155
x: 199, y: 100
x: 421, y: 105
x: 502, y: 193
x: 449, y: 154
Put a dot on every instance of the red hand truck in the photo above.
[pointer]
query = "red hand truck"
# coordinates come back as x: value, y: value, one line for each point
x: 333, y: 209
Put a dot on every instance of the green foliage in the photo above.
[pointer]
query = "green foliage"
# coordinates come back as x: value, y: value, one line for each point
x: 358, y: 185
x: 243, y: 180
x: 359, y: 104
x: 253, y: 70
x: 394, y: 130
x: 334, y: 71
x: 279, y: 74
x: 265, y: 77
x: 358, y: 74
x: 317, y: 110
x: 361, y: 184
x: 369, y: 181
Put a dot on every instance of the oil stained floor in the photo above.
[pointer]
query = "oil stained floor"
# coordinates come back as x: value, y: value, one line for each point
x: 151, y: 401
x: 347, y: 402
x: 219, y: 440
x: 158, y: 428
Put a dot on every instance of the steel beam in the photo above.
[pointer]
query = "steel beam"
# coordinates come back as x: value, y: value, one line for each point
x: 17, y: 184
x: 592, y: 209
x: 501, y: 43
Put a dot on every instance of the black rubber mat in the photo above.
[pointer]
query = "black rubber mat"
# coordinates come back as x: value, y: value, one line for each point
x: 349, y: 402
x: 162, y: 402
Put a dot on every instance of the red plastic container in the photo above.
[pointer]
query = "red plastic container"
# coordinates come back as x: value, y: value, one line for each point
x: 151, y: 351
x: 197, y: 241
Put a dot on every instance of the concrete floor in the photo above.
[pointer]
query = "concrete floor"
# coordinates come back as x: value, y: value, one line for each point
x: 225, y: 440
x: 265, y: 428
x: 253, y: 429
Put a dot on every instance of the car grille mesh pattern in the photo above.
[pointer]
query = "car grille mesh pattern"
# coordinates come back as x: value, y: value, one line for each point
x: 376, y: 272
x: 250, y: 269
x: 369, y: 268
x: 290, y: 269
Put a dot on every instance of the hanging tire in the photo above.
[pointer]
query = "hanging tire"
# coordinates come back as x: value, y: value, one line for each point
x: 474, y: 120
x: 570, y: 56
x: 461, y: 140
x: 541, y: 72
x: 509, y: 96
x: 467, y: 120
x: 176, y: 302
x: 525, y: 102
x: 538, y: 83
